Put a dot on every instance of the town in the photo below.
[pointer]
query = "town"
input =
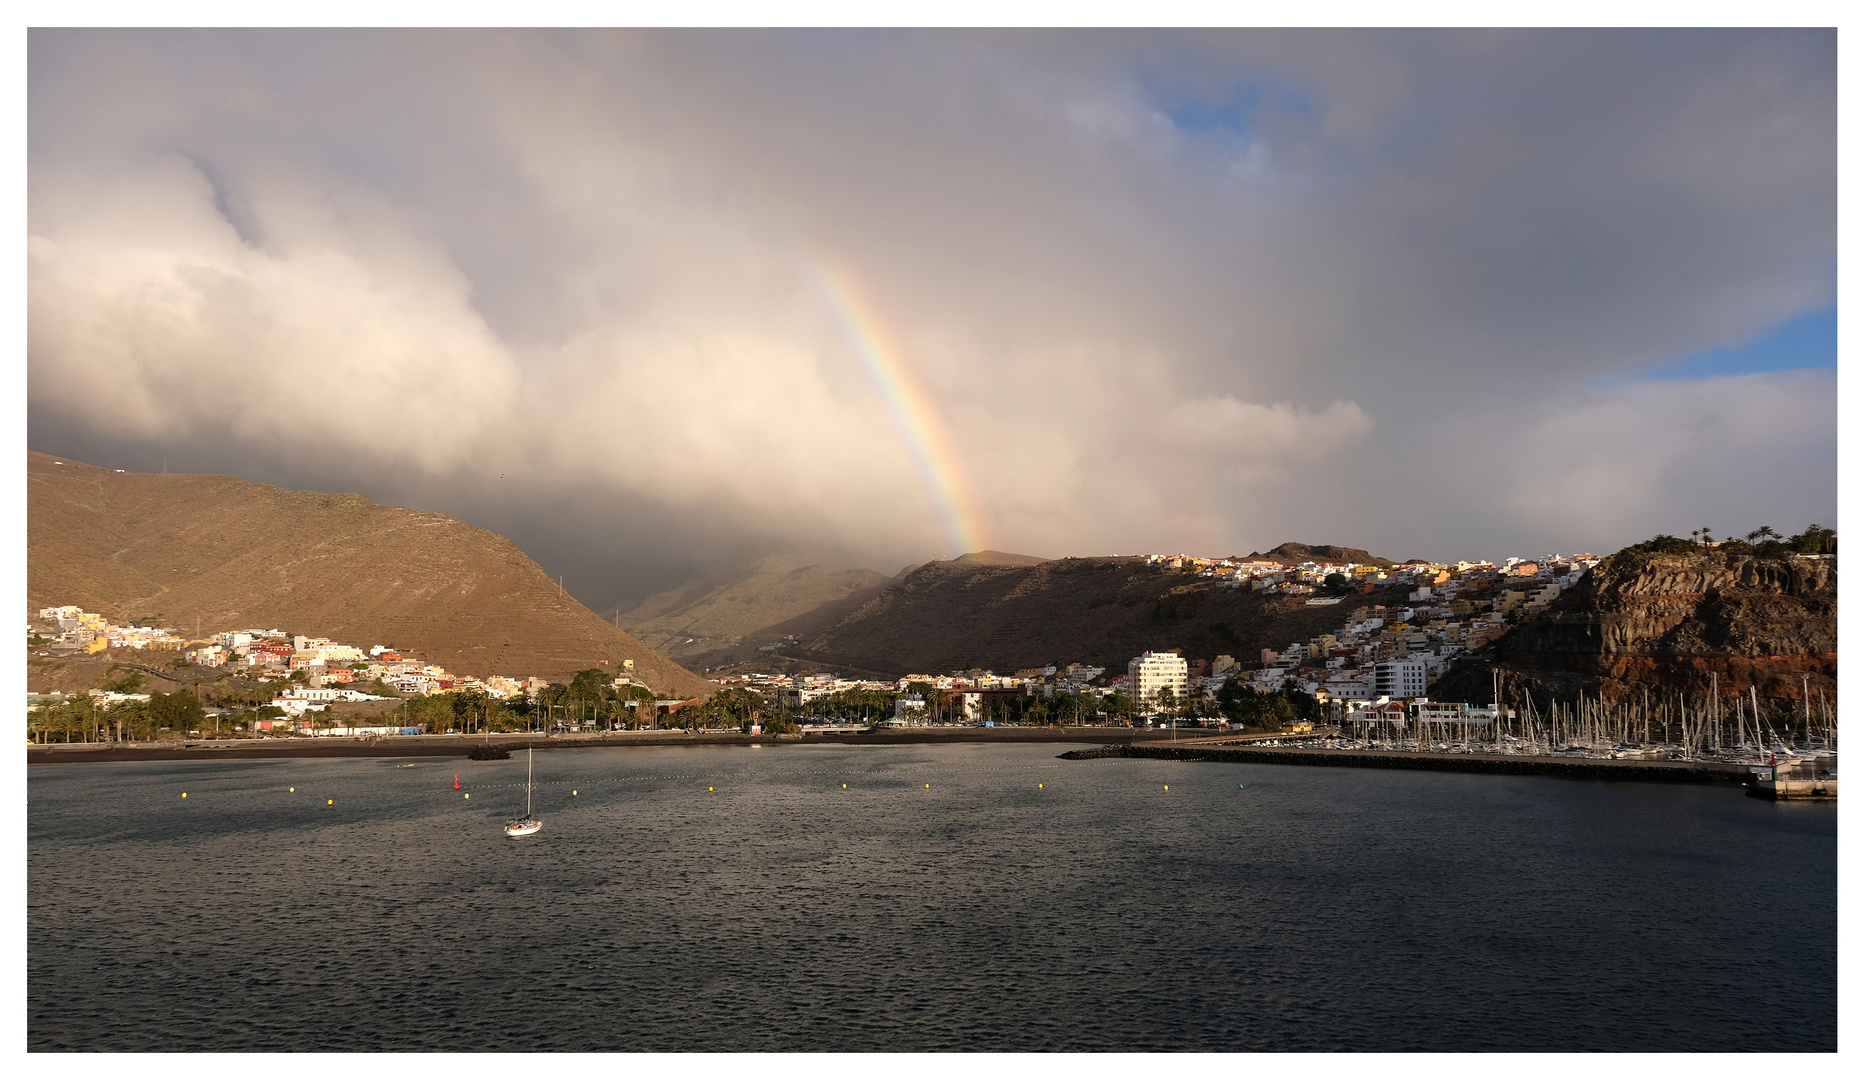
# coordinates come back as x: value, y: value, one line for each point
x: 291, y: 681
x: 1375, y: 668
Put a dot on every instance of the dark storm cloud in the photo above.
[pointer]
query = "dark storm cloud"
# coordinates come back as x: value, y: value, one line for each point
x: 1150, y: 291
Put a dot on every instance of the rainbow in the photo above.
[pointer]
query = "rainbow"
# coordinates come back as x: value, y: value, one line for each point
x: 908, y: 402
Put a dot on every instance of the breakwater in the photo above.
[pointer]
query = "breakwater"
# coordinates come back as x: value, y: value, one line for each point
x: 1684, y: 772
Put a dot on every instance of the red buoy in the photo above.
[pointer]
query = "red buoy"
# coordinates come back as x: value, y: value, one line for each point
x: 456, y: 781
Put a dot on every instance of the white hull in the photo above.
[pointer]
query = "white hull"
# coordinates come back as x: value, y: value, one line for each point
x: 526, y: 825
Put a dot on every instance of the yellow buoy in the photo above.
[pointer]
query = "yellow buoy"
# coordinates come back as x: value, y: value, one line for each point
x: 573, y: 793
x: 708, y: 789
x: 184, y: 794
x: 929, y: 786
x: 330, y: 802
x: 291, y: 789
x: 469, y: 794
x: 1168, y: 787
x: 844, y: 787
x: 1039, y: 787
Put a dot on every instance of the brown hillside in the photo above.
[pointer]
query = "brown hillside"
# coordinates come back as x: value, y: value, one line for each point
x: 947, y: 616
x: 988, y: 557
x: 697, y: 619
x: 221, y: 553
x: 1291, y: 553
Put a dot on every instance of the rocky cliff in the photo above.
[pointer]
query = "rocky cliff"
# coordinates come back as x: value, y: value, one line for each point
x: 1640, y: 622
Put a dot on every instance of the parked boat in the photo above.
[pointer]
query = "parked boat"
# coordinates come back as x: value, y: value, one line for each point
x: 526, y: 825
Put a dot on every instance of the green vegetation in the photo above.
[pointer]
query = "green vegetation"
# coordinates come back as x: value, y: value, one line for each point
x: 130, y: 682
x: 1663, y: 544
x: 852, y: 706
x: 943, y: 707
x: 163, y: 716
x: 1266, y: 712
x: 589, y: 699
x: 465, y: 711
x: 1816, y: 540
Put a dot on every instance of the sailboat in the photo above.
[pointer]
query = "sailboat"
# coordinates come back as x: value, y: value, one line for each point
x: 526, y: 825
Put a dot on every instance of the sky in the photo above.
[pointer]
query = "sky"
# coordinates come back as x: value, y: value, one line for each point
x: 657, y: 302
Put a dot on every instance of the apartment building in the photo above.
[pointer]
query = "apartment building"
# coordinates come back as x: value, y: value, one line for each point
x: 1154, y: 672
x: 1399, y: 679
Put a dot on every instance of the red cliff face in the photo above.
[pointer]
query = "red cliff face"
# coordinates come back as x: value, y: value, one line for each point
x: 1640, y: 622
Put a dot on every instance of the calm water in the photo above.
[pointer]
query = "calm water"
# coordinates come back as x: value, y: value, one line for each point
x: 1250, y: 907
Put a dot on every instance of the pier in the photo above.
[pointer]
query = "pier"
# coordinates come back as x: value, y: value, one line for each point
x: 1685, y: 772
x: 1809, y: 779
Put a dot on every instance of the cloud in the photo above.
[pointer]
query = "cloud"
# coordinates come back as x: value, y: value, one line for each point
x: 150, y: 314
x: 1155, y: 289
x: 1735, y: 451
x: 1226, y: 427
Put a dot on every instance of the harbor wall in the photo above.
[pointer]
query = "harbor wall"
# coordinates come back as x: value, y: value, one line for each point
x: 1685, y: 772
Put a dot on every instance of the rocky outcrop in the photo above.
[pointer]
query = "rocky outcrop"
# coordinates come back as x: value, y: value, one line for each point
x: 1291, y: 553
x: 1638, y: 623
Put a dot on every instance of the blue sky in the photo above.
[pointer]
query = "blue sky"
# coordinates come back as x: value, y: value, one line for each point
x: 1810, y: 341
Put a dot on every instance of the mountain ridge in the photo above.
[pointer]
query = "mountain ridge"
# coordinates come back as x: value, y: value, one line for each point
x: 1103, y: 610
x: 220, y: 552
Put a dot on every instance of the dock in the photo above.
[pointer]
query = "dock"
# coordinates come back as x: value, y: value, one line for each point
x: 1816, y: 778
x: 1674, y: 772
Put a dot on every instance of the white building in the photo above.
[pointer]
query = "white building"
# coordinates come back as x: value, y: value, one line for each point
x: 1269, y: 680
x: 1153, y: 673
x: 1399, y: 679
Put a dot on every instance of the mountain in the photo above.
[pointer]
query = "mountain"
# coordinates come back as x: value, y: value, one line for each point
x: 218, y: 553
x: 703, y: 617
x: 1644, y: 623
x: 988, y: 557
x: 954, y: 615
x: 1291, y: 554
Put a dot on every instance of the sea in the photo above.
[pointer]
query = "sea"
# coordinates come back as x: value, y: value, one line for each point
x: 970, y: 897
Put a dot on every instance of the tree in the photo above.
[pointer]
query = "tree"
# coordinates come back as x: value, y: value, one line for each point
x: 178, y: 712
x: 129, y: 682
x: 734, y: 707
x: 1663, y: 544
x: 1815, y: 541
x: 1265, y: 712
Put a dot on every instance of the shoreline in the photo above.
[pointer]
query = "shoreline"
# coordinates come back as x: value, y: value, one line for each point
x: 386, y: 746
x: 1141, y: 743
